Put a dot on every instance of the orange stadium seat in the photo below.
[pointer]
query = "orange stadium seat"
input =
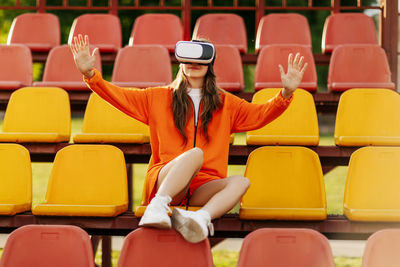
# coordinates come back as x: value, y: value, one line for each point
x: 39, y: 31
x: 15, y: 67
x: 225, y: 29
x: 355, y: 66
x: 142, y: 66
x: 267, y: 71
x: 149, y: 247
x: 48, y: 246
x: 104, y: 31
x: 288, y: 28
x: 61, y: 71
x: 228, y: 68
x: 285, y: 247
x: 347, y: 28
x: 157, y: 29
x: 382, y: 249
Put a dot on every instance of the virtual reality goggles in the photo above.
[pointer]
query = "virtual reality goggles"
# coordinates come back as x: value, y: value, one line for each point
x: 194, y: 52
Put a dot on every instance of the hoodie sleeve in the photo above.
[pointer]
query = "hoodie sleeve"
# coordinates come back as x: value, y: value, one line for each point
x: 133, y: 102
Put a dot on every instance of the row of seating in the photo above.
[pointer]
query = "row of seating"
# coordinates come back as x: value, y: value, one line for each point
x: 65, y: 246
x: 41, y: 31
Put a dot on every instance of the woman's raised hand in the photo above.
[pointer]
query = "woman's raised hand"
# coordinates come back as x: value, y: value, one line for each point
x: 83, y: 60
x: 292, y: 78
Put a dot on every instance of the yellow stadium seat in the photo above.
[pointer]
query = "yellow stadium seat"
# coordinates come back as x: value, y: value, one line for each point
x: 86, y: 180
x: 15, y: 179
x: 286, y: 183
x: 368, y: 117
x: 372, y: 185
x: 37, y: 114
x: 298, y: 125
x: 103, y: 123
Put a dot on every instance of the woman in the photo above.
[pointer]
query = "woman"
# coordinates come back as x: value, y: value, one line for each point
x: 190, y: 121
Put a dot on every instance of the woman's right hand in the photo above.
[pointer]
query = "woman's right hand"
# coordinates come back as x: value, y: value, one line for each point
x: 83, y: 60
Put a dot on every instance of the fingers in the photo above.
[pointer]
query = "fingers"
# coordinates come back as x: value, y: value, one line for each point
x: 296, y: 59
x: 290, y: 60
x: 86, y: 40
x: 281, y: 70
x: 94, y: 52
x: 73, y: 50
x: 304, y: 69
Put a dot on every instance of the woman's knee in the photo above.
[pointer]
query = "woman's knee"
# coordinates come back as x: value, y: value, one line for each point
x: 241, y: 182
x: 197, y: 155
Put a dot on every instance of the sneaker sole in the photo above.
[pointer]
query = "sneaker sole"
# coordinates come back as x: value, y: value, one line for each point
x: 152, y: 222
x: 187, y: 227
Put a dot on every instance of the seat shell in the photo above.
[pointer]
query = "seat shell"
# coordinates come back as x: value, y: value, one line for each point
x: 382, y: 249
x: 228, y: 68
x: 16, y: 67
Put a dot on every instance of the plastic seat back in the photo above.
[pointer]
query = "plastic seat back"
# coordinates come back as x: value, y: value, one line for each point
x: 290, y: 128
x: 371, y: 192
x: 48, y: 246
x: 38, y: 31
x: 171, y: 250
x: 286, y: 184
x: 86, y: 180
x: 15, y: 179
x: 103, y: 123
x: 267, y: 71
x: 157, y: 29
x: 60, y: 70
x: 104, y: 31
x: 355, y: 66
x: 15, y: 67
x: 142, y: 66
x: 224, y: 29
x: 368, y: 117
x: 347, y: 28
x: 382, y: 249
x: 37, y: 115
x: 278, y: 28
x: 228, y: 68
x: 285, y: 247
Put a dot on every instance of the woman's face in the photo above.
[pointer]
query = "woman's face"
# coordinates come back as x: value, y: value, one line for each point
x: 194, y: 70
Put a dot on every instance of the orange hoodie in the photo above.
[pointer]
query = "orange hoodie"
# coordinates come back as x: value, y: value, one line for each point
x: 152, y: 106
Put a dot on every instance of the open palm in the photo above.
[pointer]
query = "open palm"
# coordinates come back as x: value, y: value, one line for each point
x: 83, y: 59
x: 292, y: 78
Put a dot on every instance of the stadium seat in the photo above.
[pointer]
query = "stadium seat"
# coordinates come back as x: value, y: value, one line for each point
x: 228, y: 68
x: 290, y: 28
x: 157, y: 29
x: 281, y: 247
x: 61, y: 71
x: 15, y: 179
x: 86, y: 180
x: 38, y: 115
x: 104, y: 31
x: 368, y: 117
x: 267, y: 71
x: 16, y: 67
x: 149, y: 247
x: 382, y: 249
x: 371, y: 191
x: 347, y: 28
x: 355, y: 66
x: 290, y: 128
x: 48, y: 246
x: 142, y: 66
x: 224, y: 29
x: 39, y: 31
x: 102, y: 123
x: 286, y: 184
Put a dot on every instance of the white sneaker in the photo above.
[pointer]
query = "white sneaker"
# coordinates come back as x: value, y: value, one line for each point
x: 156, y: 215
x: 193, y: 226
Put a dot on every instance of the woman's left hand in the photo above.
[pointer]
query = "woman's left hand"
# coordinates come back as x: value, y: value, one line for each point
x: 292, y: 78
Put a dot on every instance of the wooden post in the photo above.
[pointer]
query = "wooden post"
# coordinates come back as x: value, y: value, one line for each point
x: 113, y: 4
x: 186, y: 18
x: 41, y: 6
x: 260, y: 11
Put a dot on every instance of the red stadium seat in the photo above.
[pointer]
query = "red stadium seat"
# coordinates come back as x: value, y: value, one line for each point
x: 38, y: 31
x: 148, y: 247
x: 61, y: 71
x: 225, y: 29
x: 48, y: 246
x: 157, y: 29
x: 359, y: 66
x: 228, y: 68
x: 104, y: 31
x: 15, y: 67
x: 285, y: 247
x: 382, y: 249
x: 142, y: 66
x: 288, y: 28
x: 347, y: 28
x: 267, y: 71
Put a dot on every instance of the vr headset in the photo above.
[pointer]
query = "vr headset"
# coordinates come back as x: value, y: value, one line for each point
x: 194, y: 52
